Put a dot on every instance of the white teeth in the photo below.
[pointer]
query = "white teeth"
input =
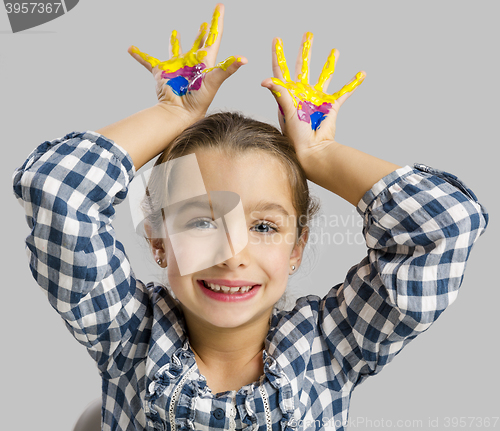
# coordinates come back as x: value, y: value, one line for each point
x: 226, y: 289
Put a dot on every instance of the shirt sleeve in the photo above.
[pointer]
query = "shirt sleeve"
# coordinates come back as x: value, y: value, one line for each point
x: 68, y: 188
x: 419, y: 225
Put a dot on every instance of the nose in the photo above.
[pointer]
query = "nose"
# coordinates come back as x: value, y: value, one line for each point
x: 240, y: 259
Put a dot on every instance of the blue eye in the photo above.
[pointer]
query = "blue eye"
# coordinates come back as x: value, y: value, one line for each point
x: 268, y: 225
x: 202, y: 224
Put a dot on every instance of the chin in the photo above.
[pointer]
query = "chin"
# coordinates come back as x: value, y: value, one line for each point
x: 229, y: 320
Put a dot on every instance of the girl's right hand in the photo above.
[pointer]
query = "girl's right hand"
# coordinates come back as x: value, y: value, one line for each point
x: 190, y: 81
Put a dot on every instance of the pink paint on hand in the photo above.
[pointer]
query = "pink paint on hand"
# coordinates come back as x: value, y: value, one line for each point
x: 311, y: 113
x: 281, y: 110
x: 193, y: 75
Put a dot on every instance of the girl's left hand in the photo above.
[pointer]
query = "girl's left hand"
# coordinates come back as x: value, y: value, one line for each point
x: 307, y: 114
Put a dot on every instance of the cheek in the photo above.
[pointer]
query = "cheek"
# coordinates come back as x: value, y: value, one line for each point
x: 181, y: 286
x: 172, y: 267
x: 174, y: 277
x: 273, y: 257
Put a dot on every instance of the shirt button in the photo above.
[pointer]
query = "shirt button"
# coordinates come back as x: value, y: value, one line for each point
x: 218, y: 414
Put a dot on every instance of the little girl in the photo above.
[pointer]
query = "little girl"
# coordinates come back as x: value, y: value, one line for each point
x: 218, y: 353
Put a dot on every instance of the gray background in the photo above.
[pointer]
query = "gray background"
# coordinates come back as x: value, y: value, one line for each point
x: 430, y: 96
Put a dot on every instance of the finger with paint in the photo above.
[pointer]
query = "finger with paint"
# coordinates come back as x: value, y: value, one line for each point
x: 327, y: 72
x: 214, y: 28
x: 185, y: 72
x: 311, y: 102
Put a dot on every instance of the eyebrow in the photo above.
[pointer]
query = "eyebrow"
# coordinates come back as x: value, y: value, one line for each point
x: 180, y: 207
x: 261, y: 206
x: 265, y: 206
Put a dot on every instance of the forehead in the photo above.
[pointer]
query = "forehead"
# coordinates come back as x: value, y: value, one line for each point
x: 257, y: 177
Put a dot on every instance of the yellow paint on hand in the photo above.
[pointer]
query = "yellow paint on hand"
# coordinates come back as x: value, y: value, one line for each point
x: 151, y: 60
x: 349, y: 87
x: 309, y: 93
x: 201, y: 34
x: 214, y: 28
x: 327, y: 71
x: 301, y: 90
x: 191, y: 58
x: 194, y: 56
x: 280, y: 57
x: 174, y: 43
x: 223, y: 64
x: 306, y: 48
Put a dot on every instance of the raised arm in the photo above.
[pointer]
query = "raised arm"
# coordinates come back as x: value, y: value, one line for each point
x: 308, y: 116
x: 185, y: 86
x: 419, y: 223
x: 69, y: 187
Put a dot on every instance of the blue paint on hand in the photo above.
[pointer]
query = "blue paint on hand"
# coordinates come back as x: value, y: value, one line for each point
x: 316, y: 119
x: 179, y: 85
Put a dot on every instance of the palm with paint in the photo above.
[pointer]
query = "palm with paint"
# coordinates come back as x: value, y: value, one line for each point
x: 191, y: 80
x: 307, y: 113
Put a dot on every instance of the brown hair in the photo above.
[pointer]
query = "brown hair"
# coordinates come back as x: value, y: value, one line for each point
x: 232, y: 134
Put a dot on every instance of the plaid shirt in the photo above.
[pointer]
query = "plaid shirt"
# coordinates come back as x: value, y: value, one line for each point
x: 419, y: 226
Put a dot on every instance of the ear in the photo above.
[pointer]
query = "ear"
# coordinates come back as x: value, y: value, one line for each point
x: 157, y: 246
x: 298, y: 249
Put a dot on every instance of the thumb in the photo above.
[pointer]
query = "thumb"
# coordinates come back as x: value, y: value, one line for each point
x: 348, y: 90
x: 216, y: 75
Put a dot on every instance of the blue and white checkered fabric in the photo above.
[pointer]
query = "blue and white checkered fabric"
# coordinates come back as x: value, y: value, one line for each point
x: 419, y: 225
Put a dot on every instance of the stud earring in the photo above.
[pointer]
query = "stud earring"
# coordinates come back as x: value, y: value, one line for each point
x: 158, y: 261
x: 293, y: 267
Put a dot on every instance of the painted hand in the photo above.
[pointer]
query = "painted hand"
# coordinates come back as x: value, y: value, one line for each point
x: 191, y: 80
x: 307, y: 113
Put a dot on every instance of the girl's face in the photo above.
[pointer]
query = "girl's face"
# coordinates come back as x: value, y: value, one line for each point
x: 264, y: 263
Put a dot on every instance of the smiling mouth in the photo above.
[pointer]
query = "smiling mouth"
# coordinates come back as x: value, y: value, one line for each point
x: 227, y: 289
